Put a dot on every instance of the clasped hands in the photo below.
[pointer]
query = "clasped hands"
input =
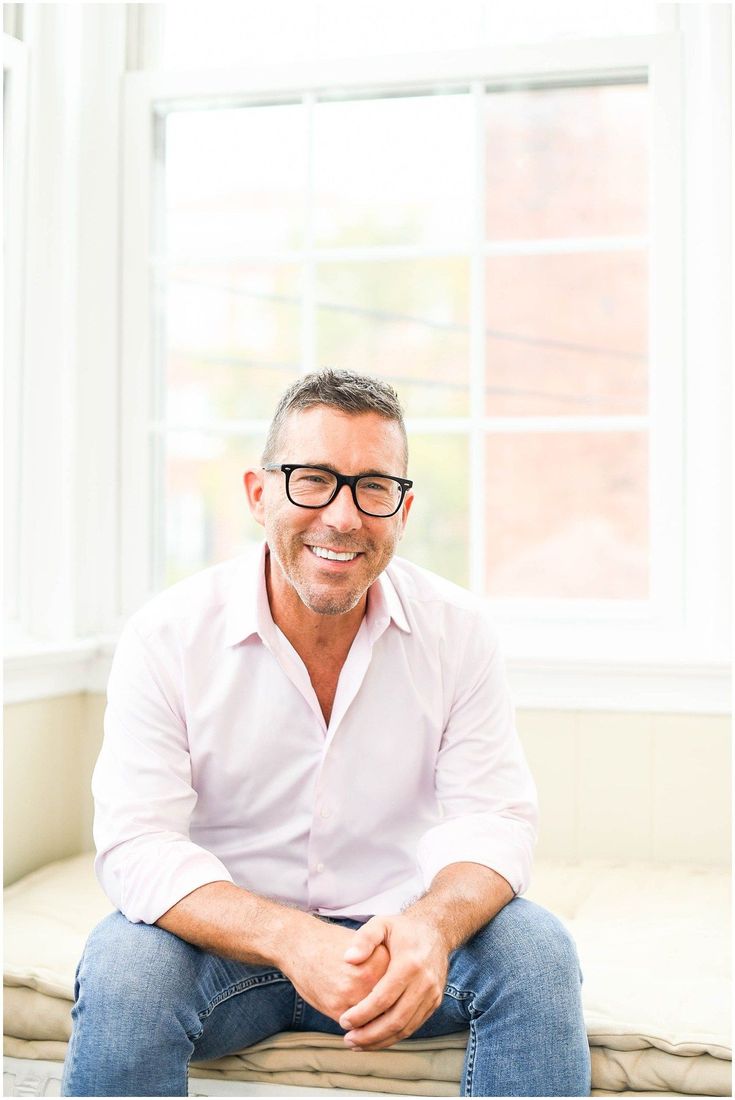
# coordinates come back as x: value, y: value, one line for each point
x: 380, y: 982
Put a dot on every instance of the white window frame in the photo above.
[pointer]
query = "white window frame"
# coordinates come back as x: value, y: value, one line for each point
x: 15, y: 72
x: 101, y: 551
x: 657, y: 57
x: 69, y: 603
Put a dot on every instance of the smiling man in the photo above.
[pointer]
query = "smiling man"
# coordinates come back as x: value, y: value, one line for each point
x: 312, y: 809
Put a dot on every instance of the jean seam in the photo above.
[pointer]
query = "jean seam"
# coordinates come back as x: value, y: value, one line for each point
x: 459, y: 994
x: 298, y: 1012
x: 470, y: 1059
x: 271, y: 978
x: 464, y: 996
x: 239, y: 987
x: 188, y: 1062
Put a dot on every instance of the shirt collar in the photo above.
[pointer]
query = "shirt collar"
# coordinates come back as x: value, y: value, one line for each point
x: 246, y: 598
x: 383, y: 597
x: 248, y: 611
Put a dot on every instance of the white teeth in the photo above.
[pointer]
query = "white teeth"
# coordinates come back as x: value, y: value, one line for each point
x: 332, y: 555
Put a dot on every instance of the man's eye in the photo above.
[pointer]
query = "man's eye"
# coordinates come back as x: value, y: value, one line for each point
x: 312, y: 480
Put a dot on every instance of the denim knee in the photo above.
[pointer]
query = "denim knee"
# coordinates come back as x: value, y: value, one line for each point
x: 527, y: 943
x: 134, y: 965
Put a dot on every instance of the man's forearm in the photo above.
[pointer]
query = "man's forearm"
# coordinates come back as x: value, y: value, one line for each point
x: 462, y: 898
x: 226, y: 920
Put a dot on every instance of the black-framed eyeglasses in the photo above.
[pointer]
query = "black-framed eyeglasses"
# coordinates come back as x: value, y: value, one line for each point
x: 317, y: 486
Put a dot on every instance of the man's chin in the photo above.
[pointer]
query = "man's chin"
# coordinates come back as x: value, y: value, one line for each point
x: 328, y: 598
x: 327, y: 603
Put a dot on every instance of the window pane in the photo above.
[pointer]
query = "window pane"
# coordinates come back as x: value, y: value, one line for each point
x: 405, y: 321
x: 393, y: 171
x: 437, y: 533
x: 233, y: 339
x: 207, y: 515
x: 567, y: 515
x: 567, y: 162
x: 234, y: 180
x: 567, y: 334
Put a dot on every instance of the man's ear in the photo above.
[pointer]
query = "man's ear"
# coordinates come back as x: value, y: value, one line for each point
x: 405, y: 509
x: 254, y: 489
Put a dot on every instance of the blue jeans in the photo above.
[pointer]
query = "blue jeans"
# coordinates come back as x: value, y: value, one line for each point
x: 147, y: 1003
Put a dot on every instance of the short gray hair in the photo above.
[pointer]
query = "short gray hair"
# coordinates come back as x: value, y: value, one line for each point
x: 337, y: 389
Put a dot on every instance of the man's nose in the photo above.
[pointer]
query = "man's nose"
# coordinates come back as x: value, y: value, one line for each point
x: 342, y: 513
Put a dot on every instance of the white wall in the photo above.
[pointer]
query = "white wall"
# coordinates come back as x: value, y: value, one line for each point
x: 611, y: 785
x: 631, y: 786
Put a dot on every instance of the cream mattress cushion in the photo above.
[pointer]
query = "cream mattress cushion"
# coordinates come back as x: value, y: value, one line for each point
x: 653, y: 942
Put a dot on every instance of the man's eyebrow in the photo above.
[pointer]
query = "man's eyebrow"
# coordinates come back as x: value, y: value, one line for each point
x: 333, y: 470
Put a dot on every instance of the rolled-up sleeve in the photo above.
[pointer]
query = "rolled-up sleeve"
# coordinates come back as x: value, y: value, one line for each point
x: 483, y: 783
x: 143, y: 791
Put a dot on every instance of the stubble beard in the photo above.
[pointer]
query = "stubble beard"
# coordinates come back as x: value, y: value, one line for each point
x: 312, y: 595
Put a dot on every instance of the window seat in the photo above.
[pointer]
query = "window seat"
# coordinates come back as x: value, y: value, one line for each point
x: 653, y: 943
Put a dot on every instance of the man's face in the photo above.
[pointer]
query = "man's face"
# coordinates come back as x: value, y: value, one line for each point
x: 322, y: 436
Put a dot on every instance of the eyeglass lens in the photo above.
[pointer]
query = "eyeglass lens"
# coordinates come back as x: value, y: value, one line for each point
x: 378, y: 495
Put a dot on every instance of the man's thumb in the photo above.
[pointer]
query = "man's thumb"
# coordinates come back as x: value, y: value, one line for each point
x: 365, y: 940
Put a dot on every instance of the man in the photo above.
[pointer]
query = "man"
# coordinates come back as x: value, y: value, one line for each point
x: 312, y: 808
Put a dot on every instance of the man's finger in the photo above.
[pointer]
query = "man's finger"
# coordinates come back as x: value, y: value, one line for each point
x: 365, y: 940
x: 403, y: 1019
x: 382, y: 998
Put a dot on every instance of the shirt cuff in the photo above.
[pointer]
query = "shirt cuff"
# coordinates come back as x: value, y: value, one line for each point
x: 502, y: 845
x: 146, y: 877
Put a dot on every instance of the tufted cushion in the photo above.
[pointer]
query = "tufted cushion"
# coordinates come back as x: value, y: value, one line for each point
x: 653, y: 943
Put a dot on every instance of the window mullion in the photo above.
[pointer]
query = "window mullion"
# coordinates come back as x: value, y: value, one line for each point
x: 477, y: 353
x: 666, y: 312
x: 158, y: 283
x: 308, y: 267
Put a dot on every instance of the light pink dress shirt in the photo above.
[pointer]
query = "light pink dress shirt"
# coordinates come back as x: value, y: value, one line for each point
x: 217, y: 762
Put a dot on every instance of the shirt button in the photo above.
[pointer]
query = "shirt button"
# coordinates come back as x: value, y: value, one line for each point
x: 320, y: 867
x: 324, y: 812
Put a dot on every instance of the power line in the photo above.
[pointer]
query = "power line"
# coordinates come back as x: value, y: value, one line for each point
x: 403, y: 380
x: 407, y: 318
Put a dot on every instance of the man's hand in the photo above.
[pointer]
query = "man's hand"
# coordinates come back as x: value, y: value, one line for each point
x: 411, y: 988
x: 316, y: 963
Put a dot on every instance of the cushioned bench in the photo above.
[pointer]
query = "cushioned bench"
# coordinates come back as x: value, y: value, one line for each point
x: 653, y: 941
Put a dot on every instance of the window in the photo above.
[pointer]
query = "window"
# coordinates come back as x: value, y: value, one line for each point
x: 385, y: 233
x: 500, y: 232
x: 146, y: 356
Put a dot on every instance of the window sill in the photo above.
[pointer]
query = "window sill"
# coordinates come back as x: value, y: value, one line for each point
x: 42, y: 670
x: 641, y: 686
x: 584, y: 682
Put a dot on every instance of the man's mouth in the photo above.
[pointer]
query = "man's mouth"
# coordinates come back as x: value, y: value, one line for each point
x: 333, y: 555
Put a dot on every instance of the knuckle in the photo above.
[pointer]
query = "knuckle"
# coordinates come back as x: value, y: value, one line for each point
x: 355, y: 986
